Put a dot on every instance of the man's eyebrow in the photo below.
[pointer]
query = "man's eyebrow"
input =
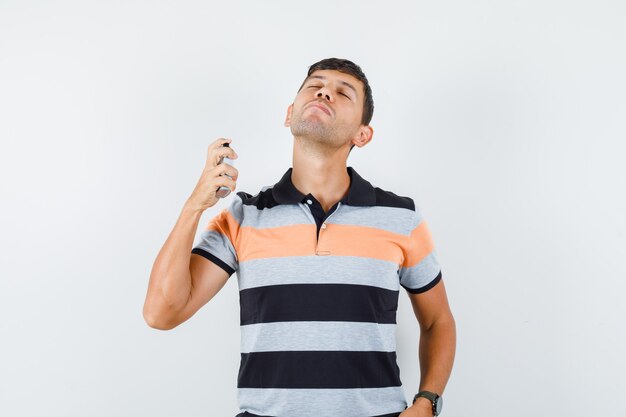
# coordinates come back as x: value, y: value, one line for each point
x: 347, y: 84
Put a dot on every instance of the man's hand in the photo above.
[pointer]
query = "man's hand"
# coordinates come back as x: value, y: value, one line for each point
x: 204, y: 195
x: 421, y: 408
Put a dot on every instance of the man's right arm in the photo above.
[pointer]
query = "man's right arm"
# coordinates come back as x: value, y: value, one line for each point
x: 182, y: 282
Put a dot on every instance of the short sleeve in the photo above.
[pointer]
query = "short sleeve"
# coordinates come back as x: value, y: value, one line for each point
x: 218, y: 239
x: 420, y: 270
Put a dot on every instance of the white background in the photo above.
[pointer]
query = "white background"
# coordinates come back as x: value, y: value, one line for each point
x: 504, y: 120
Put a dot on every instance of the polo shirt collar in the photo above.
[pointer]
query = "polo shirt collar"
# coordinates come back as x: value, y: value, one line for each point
x: 360, y: 193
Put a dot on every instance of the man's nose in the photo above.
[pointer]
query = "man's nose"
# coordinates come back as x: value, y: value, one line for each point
x: 324, y: 94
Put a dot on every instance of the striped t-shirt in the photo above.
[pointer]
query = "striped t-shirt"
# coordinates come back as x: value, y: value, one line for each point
x: 318, y: 296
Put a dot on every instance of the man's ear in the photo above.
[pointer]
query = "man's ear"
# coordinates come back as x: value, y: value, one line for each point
x: 288, y: 117
x: 364, y: 136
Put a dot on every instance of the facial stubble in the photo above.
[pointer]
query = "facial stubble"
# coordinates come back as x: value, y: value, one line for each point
x: 315, y: 131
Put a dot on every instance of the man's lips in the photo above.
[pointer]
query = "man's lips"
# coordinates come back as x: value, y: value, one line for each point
x: 322, y: 107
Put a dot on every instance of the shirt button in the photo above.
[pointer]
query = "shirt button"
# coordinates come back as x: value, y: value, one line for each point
x: 309, y: 202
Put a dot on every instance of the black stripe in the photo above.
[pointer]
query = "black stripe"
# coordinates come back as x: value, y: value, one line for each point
x: 318, y: 369
x: 217, y: 261
x: 318, y: 302
x: 386, y: 198
x: 360, y: 193
x: 425, y: 287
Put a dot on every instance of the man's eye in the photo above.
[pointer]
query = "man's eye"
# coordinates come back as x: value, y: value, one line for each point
x: 345, y: 95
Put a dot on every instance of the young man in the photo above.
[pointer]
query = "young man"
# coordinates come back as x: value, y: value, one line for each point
x: 320, y: 258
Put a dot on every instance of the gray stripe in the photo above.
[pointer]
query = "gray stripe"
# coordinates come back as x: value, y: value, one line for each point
x: 219, y: 245
x: 318, y: 335
x: 236, y: 208
x: 317, y: 270
x: 392, y: 219
x: 322, y: 402
x: 277, y: 216
x: 421, y: 274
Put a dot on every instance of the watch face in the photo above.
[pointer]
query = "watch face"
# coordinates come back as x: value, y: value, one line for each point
x: 438, y: 405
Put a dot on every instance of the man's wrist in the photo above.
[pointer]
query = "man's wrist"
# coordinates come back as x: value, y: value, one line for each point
x: 192, y: 208
x: 423, y: 403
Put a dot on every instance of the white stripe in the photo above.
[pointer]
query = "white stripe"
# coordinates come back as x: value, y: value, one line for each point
x: 319, y: 270
x: 361, y: 402
x: 318, y: 335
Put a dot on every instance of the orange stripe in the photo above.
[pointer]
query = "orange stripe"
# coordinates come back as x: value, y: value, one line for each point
x: 225, y: 223
x: 362, y: 241
x: 420, y: 245
x: 272, y: 242
x: 336, y: 239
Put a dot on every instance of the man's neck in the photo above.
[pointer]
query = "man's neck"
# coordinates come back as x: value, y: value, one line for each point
x: 323, y: 175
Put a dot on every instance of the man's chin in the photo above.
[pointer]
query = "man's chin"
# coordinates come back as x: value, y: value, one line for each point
x: 311, y: 130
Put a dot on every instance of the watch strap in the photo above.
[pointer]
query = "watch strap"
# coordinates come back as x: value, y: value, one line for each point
x: 429, y: 395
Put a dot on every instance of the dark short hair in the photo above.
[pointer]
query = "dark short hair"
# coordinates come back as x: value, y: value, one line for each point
x: 347, y: 67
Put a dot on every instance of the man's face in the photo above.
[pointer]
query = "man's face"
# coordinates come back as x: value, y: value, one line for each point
x: 328, y: 108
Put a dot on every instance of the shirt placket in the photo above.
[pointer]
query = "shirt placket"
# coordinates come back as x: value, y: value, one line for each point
x: 322, y: 247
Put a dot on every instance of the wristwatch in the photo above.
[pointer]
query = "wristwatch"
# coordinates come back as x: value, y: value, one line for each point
x: 434, y: 398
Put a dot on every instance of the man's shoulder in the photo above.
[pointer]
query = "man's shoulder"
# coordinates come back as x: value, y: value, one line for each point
x: 406, y: 213
x: 262, y: 199
x: 388, y: 198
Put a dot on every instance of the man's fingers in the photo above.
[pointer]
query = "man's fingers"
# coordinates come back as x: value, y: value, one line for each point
x: 226, y: 151
x: 214, y: 146
x: 228, y: 170
x: 226, y: 182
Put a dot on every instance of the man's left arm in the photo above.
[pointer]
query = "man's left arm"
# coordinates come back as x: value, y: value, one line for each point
x: 437, y: 345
